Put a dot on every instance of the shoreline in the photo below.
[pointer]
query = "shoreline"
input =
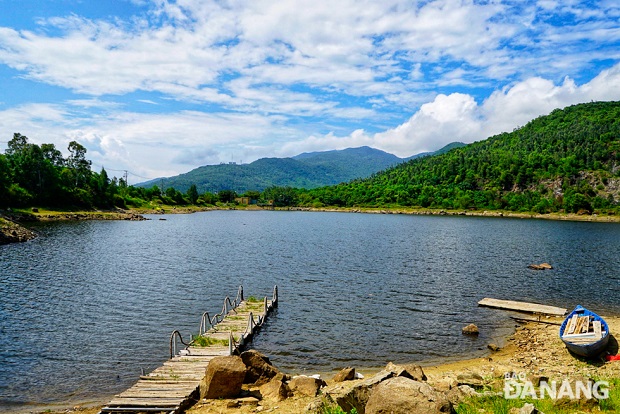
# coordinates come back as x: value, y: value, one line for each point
x: 12, y: 230
x: 468, y: 213
x: 533, y: 350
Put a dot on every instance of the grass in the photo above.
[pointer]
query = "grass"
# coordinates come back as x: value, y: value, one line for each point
x: 204, y: 341
x: 335, y: 409
x: 253, y: 299
x: 497, y: 404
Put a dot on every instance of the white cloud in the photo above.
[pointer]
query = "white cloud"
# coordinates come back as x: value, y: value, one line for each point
x: 245, y: 79
x: 457, y: 117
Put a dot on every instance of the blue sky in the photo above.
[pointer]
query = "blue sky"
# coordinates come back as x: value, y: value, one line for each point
x: 160, y: 87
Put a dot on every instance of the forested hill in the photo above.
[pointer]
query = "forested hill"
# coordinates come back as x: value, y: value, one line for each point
x: 568, y: 160
x: 307, y: 170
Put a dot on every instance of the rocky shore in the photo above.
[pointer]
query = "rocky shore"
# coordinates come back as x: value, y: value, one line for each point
x: 534, y: 353
x: 11, y: 230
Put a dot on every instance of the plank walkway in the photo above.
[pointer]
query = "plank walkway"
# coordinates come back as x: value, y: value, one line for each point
x: 175, y: 385
x: 522, y: 307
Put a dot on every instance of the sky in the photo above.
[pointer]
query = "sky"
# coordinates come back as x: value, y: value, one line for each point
x: 161, y: 87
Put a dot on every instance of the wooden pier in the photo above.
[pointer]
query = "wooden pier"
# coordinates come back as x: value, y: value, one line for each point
x: 175, y: 385
x: 526, y: 307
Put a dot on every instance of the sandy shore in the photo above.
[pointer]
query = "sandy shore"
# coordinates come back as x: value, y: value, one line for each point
x: 533, y: 350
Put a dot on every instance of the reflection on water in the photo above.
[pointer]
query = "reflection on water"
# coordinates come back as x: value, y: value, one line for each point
x: 87, y: 305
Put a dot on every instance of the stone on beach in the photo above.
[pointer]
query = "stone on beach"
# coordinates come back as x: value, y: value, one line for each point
x: 306, y: 386
x: 346, y: 374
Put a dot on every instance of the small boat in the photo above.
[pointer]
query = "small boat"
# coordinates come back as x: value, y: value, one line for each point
x: 584, y: 332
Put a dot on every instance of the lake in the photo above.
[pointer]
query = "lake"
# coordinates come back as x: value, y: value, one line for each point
x: 88, y: 305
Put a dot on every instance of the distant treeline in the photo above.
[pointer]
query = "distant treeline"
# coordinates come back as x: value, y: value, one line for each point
x: 566, y: 161
x: 33, y: 175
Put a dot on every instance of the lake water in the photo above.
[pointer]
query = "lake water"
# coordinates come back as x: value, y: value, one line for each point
x: 88, y: 305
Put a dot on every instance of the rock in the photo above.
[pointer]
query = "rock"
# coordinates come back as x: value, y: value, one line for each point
x: 276, y: 389
x: 251, y: 401
x: 526, y: 409
x: 350, y: 395
x: 11, y: 232
x: 259, y: 368
x: 410, y: 371
x: 458, y: 394
x: 233, y: 404
x: 223, y: 378
x: 470, y: 378
x: 306, y: 386
x: 445, y: 384
x: 470, y: 329
x: 403, y: 395
x: 542, y: 266
x: 346, y: 374
x: 493, y: 347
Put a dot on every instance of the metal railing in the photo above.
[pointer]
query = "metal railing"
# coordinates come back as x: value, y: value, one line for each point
x: 234, y: 347
x: 207, y: 322
x: 173, y: 343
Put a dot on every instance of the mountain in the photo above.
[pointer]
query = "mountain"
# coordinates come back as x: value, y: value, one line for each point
x: 566, y: 161
x: 308, y: 170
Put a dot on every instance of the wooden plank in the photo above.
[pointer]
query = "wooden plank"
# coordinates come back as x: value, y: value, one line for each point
x: 163, y: 388
x: 131, y: 393
x: 206, y: 352
x: 598, y: 329
x: 572, y: 324
x: 165, y: 378
x: 146, y: 402
x: 522, y: 306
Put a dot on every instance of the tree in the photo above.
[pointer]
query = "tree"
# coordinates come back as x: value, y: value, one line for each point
x: 226, y: 196
x: 192, y: 194
x: 51, y: 154
x: 78, y: 163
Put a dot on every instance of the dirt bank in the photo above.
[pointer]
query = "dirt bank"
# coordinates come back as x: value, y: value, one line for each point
x: 472, y: 213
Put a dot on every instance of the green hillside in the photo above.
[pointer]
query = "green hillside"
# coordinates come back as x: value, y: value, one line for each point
x: 566, y: 161
x: 307, y: 170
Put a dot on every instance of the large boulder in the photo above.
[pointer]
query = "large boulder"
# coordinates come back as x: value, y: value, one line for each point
x: 276, y: 389
x: 306, y: 386
x: 354, y: 394
x: 404, y: 395
x: 223, y: 378
x: 259, y: 368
